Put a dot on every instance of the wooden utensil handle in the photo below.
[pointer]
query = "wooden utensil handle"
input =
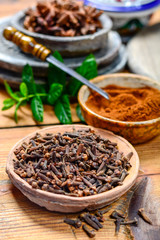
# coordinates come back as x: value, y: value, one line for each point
x: 26, y: 43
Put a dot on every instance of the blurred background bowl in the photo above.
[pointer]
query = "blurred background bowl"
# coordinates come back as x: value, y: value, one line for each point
x: 128, y: 17
x: 68, y: 46
x: 135, y: 132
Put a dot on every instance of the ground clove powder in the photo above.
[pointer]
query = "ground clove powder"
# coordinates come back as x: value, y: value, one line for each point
x: 126, y: 104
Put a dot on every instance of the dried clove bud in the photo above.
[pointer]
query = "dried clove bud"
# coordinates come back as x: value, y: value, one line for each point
x: 87, y: 218
x: 144, y: 216
x: 117, y: 225
x: 90, y: 233
x: 95, y: 219
x: 116, y: 215
x: 134, y: 222
x: 75, y: 223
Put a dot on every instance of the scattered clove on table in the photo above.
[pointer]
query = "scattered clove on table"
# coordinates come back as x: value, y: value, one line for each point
x: 120, y: 220
x: 75, y: 223
x: 144, y: 216
x: 90, y: 233
x: 116, y: 215
x: 131, y: 222
x: 87, y: 217
x: 117, y: 225
x: 93, y: 220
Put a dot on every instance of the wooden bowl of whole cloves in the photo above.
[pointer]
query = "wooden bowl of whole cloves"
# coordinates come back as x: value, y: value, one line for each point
x: 47, y: 168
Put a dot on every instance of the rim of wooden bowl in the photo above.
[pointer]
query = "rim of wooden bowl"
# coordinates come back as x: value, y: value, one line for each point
x: 102, y: 78
x: 116, y: 192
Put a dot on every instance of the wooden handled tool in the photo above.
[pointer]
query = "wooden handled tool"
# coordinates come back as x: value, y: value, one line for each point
x: 26, y: 43
x: 29, y: 45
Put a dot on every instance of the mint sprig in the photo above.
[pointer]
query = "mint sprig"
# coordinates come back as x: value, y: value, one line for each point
x: 55, y: 92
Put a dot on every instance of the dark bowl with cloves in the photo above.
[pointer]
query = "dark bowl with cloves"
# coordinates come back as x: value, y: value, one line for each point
x: 43, y: 179
x: 68, y: 27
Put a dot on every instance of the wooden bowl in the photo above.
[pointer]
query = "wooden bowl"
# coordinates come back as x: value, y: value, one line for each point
x: 63, y: 203
x: 135, y: 132
x: 68, y: 46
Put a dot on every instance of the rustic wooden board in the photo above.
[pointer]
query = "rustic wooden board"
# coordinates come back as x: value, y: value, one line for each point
x: 21, y: 219
x: 9, y: 7
x: 25, y: 114
x: 144, y: 52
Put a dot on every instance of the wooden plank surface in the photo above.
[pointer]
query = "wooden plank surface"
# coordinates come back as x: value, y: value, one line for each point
x: 10, y: 7
x: 24, y: 220
x: 25, y: 114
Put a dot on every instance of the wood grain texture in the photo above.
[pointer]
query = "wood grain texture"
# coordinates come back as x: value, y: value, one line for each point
x: 9, y: 7
x: 25, y: 114
x: 151, y: 209
x: 21, y: 219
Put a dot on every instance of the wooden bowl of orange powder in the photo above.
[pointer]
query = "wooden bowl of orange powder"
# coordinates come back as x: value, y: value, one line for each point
x: 133, y: 110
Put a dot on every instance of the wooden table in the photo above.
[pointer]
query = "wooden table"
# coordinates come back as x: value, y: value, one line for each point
x: 21, y: 219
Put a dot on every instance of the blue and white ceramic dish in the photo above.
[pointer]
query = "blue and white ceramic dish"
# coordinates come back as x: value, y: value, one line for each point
x: 123, y: 5
x: 128, y: 16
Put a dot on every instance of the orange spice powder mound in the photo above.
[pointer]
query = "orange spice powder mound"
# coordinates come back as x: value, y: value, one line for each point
x: 126, y: 104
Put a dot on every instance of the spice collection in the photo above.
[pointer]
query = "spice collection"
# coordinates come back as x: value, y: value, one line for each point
x: 78, y: 163
x: 65, y: 18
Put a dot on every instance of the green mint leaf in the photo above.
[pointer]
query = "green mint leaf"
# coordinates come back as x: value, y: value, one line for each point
x: 56, y: 75
x: 8, y: 103
x: 54, y: 93
x: 88, y: 69
x: 23, y: 89
x: 37, y: 108
x: 23, y: 103
x: 62, y: 109
x: 28, y: 79
x: 10, y: 92
x: 15, y: 112
x: 79, y: 114
x: 42, y: 88
x: 18, y: 94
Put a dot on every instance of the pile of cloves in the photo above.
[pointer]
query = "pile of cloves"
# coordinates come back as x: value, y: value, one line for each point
x: 66, y: 18
x: 95, y: 219
x: 92, y: 220
x: 78, y: 163
x: 120, y: 220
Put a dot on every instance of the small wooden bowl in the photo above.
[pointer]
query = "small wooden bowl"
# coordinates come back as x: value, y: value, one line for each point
x: 66, y: 204
x: 135, y: 132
